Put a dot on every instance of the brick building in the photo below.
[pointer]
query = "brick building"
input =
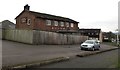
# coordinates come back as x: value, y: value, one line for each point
x: 40, y: 21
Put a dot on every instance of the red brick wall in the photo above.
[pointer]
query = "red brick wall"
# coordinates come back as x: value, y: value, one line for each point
x: 40, y: 24
x: 20, y: 25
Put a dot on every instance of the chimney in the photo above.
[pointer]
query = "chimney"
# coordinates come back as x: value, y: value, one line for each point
x: 26, y: 7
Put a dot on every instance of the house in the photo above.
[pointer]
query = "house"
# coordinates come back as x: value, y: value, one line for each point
x: 45, y: 22
x: 92, y: 33
x: 6, y: 24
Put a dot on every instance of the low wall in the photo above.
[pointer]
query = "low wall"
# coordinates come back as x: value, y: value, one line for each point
x: 42, y: 37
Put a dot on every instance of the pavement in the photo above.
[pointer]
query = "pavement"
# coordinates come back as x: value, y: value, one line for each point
x: 14, y: 53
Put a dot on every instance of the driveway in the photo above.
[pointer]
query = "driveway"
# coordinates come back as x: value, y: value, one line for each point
x: 19, y: 53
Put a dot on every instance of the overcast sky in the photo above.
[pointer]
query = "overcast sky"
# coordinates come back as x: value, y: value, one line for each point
x: 89, y: 13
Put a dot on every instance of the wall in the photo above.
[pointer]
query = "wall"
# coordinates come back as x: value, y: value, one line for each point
x: 100, y: 37
x: 40, y: 23
x: 24, y: 36
x: 42, y: 37
x: 27, y: 15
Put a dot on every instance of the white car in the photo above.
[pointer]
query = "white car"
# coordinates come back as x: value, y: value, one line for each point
x: 90, y: 45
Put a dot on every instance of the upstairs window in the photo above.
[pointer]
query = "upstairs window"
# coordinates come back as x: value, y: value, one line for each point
x: 67, y: 24
x: 72, y: 25
x: 28, y: 21
x: 23, y: 20
x: 56, y: 23
x: 62, y: 24
x: 48, y: 22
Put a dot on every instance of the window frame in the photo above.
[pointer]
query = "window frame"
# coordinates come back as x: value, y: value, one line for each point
x: 23, y: 20
x: 62, y: 24
x: 67, y: 24
x: 56, y: 23
x: 48, y: 22
x: 72, y: 24
x: 28, y: 21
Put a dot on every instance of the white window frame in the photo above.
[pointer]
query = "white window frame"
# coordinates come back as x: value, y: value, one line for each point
x: 72, y: 25
x: 48, y: 22
x: 23, y: 20
x: 28, y: 21
x: 61, y: 24
x: 55, y: 23
x: 67, y: 24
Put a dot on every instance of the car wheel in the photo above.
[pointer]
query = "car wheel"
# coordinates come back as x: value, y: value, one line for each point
x: 81, y: 48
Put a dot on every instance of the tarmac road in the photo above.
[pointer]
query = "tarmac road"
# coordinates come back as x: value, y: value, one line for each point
x: 103, y: 60
x: 18, y: 53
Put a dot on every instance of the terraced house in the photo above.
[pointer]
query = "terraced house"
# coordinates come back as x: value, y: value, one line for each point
x: 40, y: 21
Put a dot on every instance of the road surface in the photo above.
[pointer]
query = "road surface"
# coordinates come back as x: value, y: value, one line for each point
x: 18, y: 53
x: 103, y: 60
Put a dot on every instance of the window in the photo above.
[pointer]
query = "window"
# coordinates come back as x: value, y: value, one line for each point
x: 28, y: 21
x: 48, y: 22
x: 96, y: 33
x: 92, y: 33
x: 63, y: 28
x: 62, y: 24
x: 56, y: 23
x: 71, y: 24
x: 52, y: 27
x: 88, y: 33
x: 67, y: 24
x: 23, y: 20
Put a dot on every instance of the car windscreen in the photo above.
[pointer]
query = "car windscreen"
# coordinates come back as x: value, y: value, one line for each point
x: 89, y: 42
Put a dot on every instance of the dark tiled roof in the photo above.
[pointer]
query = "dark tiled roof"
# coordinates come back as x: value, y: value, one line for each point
x: 52, y: 17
